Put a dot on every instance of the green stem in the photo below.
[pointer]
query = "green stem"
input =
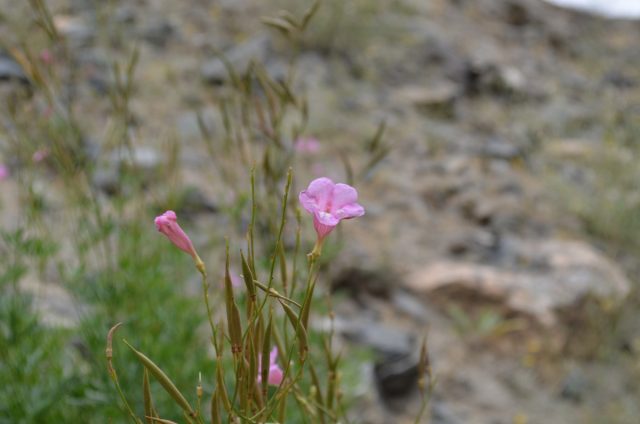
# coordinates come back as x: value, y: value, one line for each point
x: 135, y: 419
x: 284, y: 388
x: 205, y: 293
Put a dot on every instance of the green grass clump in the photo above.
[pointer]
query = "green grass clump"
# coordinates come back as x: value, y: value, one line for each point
x: 38, y: 379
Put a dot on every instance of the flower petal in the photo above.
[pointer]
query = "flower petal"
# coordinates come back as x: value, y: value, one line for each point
x: 327, y: 218
x: 353, y: 210
x: 321, y: 228
x: 343, y: 194
x: 308, y: 202
x: 275, y: 375
x: 321, y: 190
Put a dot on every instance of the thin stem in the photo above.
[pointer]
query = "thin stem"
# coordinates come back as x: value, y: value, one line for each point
x: 282, y: 388
x: 425, y: 401
x: 275, y: 252
x: 205, y: 293
x: 273, y: 293
x: 252, y: 262
x: 124, y: 399
x: 296, y: 249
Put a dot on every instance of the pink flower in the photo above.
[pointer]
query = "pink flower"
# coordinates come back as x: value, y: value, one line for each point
x: 329, y: 203
x: 40, y: 155
x: 167, y: 224
x: 275, y: 372
x: 46, y: 57
x: 307, y: 145
x: 236, y: 280
x: 4, y: 172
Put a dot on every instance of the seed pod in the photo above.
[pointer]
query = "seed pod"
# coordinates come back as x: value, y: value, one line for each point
x: 233, y: 315
x: 148, y: 403
x: 248, y: 277
x: 301, y: 333
x: 164, y: 380
x: 306, y: 305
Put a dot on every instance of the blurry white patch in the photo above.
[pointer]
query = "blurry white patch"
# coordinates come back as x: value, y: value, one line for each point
x: 626, y: 9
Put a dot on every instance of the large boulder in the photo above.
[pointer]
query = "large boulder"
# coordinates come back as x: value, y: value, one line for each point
x: 536, y: 278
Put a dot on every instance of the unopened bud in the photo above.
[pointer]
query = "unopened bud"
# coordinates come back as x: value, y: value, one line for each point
x: 199, y: 387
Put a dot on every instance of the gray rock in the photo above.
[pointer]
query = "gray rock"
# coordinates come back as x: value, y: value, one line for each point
x: 408, y: 304
x: 483, y: 243
x: 277, y: 70
x: 517, y: 13
x: 146, y: 162
x: 395, y: 369
x: 511, y: 80
x: 544, y: 278
x: 479, y: 208
x: 497, y: 148
x: 397, y: 375
x: 441, y: 413
x: 485, y: 77
x: 439, y: 100
x: 158, y: 32
x: 10, y: 70
x: 75, y: 29
x: 125, y: 14
x: 239, y: 57
x: 53, y: 303
x: 88, y: 6
x: 385, y: 341
x: 142, y: 157
x: 237, y: 6
x: 193, y: 201
x: 107, y: 180
x: 575, y: 386
x: 619, y: 79
x: 189, y: 128
x: 439, y: 190
x: 358, y: 281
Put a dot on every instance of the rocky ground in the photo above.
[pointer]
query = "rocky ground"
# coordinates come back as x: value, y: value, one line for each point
x: 484, y: 101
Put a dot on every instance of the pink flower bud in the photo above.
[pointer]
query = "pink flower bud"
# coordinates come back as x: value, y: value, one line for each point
x: 275, y: 372
x: 329, y: 203
x: 167, y: 224
x: 46, y: 57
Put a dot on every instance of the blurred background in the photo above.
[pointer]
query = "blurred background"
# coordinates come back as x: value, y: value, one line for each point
x: 494, y: 144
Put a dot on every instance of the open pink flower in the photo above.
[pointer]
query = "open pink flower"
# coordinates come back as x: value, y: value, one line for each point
x: 167, y: 224
x: 275, y: 372
x: 330, y: 203
x: 4, y: 172
x: 307, y: 145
